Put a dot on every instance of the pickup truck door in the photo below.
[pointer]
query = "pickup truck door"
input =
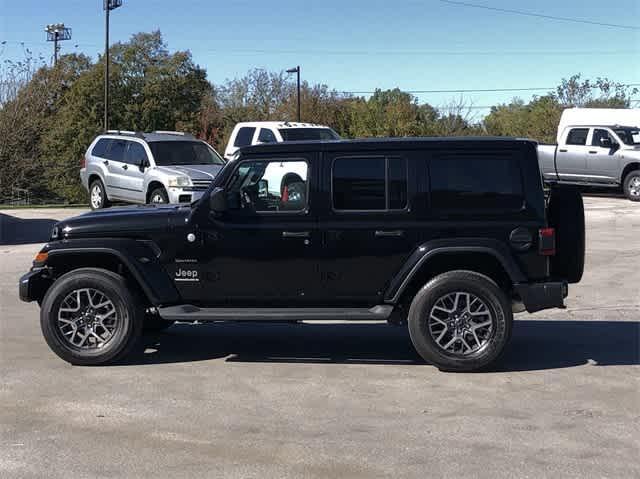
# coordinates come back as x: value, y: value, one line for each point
x: 571, y: 159
x: 603, y: 163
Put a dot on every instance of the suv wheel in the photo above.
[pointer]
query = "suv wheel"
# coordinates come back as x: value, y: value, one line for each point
x: 632, y: 185
x: 98, y: 195
x: 158, y: 196
x: 460, y: 321
x: 90, y: 317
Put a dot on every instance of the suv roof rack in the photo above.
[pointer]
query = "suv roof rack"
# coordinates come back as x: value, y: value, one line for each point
x: 168, y: 132
x: 137, y: 134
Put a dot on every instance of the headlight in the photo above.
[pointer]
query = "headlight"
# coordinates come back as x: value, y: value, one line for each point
x: 179, y: 181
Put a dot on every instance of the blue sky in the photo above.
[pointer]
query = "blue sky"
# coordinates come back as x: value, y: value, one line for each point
x: 361, y: 45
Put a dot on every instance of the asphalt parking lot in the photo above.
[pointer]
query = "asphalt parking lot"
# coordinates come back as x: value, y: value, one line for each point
x: 332, y: 400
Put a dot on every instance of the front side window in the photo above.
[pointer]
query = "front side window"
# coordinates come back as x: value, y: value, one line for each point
x: 369, y: 184
x: 267, y: 136
x: 244, y: 137
x: 167, y: 153
x: 304, y: 134
x: 269, y: 186
x: 468, y: 182
x: 599, y: 135
x: 136, y: 155
x: 578, y: 136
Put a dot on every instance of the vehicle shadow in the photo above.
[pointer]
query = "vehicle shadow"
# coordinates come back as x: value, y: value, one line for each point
x: 536, y: 344
x: 15, y: 231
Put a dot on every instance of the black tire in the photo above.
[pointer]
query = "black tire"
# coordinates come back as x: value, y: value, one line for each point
x: 492, y: 338
x: 566, y: 215
x: 100, y: 200
x: 154, y: 323
x: 631, y: 185
x: 129, y: 316
x: 158, y: 196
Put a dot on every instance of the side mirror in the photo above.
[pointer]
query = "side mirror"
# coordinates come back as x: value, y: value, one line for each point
x: 263, y: 189
x: 218, y: 200
x: 143, y: 164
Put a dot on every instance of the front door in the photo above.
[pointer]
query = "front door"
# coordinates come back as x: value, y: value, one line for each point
x: 367, y: 232
x: 263, y: 250
x: 602, y: 161
x: 133, y: 177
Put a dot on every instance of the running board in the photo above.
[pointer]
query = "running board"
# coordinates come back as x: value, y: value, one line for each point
x: 188, y: 312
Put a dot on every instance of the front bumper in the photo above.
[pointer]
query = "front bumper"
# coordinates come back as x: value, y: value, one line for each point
x: 184, y: 195
x: 539, y: 296
x: 33, y: 285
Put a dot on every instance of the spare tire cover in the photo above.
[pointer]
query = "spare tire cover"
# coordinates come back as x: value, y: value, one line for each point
x: 566, y: 215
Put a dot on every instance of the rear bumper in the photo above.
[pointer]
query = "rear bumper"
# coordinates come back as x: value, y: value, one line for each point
x: 539, y: 296
x: 33, y: 285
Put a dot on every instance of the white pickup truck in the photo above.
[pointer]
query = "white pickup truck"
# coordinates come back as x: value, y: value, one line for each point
x: 594, y: 155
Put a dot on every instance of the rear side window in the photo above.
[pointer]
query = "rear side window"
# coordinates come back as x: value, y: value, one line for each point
x: 475, y: 182
x: 578, y: 136
x: 369, y: 184
x: 100, y: 148
x: 117, y: 150
x: 244, y: 136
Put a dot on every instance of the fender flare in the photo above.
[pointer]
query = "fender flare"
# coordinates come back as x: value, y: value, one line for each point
x: 431, y: 249
x: 141, y: 258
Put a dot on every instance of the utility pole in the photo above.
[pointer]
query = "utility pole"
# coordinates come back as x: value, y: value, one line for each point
x: 107, y: 5
x: 297, y: 70
x: 57, y: 32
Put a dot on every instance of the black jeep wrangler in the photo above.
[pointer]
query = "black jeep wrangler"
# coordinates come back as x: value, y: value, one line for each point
x: 449, y: 236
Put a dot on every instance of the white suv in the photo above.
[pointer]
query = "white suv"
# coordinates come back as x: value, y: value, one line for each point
x: 157, y: 167
x: 259, y: 132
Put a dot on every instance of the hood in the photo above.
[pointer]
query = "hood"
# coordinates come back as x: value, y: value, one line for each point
x: 142, y: 221
x: 195, y: 172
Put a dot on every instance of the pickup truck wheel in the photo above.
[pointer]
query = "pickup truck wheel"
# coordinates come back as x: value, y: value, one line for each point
x: 159, y: 196
x: 97, y: 195
x: 632, y: 185
x: 460, y: 321
x: 89, y: 317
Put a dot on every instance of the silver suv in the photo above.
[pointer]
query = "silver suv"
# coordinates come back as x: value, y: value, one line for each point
x: 157, y: 167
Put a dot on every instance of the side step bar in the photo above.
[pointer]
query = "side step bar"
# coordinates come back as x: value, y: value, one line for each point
x: 188, y: 312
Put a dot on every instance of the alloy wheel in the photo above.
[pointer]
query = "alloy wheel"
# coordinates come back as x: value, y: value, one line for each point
x: 461, y: 323
x: 96, y: 196
x: 87, y: 319
x: 634, y: 187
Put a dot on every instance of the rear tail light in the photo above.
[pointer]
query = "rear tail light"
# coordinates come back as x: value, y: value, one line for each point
x: 547, y: 241
x: 83, y: 162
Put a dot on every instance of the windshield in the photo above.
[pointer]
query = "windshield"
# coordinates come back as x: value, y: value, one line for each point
x: 168, y: 153
x: 302, y: 134
x: 630, y: 136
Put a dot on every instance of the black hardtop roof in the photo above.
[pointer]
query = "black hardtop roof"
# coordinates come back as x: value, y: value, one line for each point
x: 364, y: 144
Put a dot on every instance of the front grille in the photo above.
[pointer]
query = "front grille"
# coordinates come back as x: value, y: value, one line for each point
x: 201, y: 184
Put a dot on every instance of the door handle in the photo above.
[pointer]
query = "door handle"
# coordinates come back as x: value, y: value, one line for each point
x: 593, y: 152
x: 125, y: 167
x: 563, y: 151
x: 106, y: 162
x: 296, y: 234
x: 389, y: 234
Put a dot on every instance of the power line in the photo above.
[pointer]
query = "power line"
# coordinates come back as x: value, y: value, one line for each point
x: 539, y: 15
x: 478, y: 90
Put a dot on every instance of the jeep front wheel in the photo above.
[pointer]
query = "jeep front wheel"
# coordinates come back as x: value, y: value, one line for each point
x: 460, y: 321
x: 90, y: 317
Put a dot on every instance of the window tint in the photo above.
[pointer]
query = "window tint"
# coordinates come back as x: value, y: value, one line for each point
x: 116, y: 152
x: 578, y: 136
x: 135, y: 154
x: 244, y: 137
x: 267, y: 136
x: 598, y: 135
x: 269, y: 187
x: 100, y: 149
x: 361, y: 184
x: 476, y: 182
x: 166, y: 153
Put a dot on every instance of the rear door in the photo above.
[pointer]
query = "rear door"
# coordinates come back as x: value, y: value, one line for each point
x: 571, y: 161
x: 366, y: 227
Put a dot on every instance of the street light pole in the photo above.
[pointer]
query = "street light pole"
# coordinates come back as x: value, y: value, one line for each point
x: 108, y: 5
x: 57, y: 32
x: 297, y: 71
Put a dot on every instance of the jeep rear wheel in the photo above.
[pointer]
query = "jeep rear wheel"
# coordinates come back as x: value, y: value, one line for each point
x: 632, y: 185
x: 460, y: 321
x: 89, y: 317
